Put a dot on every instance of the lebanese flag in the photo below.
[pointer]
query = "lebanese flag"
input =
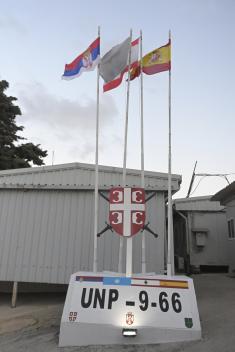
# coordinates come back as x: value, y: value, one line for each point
x: 134, y: 63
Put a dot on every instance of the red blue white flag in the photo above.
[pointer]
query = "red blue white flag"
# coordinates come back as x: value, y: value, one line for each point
x: 87, y: 61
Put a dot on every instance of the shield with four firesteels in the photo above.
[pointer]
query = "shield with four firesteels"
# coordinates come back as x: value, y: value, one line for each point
x: 127, y: 210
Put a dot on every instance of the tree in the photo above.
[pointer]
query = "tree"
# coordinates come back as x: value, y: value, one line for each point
x: 12, y: 154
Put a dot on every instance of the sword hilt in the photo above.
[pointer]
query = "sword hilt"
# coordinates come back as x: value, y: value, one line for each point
x: 147, y: 228
x: 107, y: 227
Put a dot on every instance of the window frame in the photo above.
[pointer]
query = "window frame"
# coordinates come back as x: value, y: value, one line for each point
x: 231, y: 230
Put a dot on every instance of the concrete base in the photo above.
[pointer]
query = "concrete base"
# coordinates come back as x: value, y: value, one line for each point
x: 155, y: 312
x: 93, y: 334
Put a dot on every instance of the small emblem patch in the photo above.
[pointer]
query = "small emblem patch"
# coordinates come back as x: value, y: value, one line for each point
x: 129, y: 318
x: 188, y: 322
x: 73, y: 316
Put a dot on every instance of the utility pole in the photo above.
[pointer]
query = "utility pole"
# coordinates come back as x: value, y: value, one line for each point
x: 192, y: 180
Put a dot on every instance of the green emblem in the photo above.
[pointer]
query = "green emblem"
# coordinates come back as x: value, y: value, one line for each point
x: 188, y: 322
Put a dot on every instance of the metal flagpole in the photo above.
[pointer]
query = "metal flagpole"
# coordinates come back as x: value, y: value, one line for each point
x: 96, y: 167
x: 170, y: 254
x: 121, y: 240
x: 129, y: 240
x: 143, y: 259
x: 127, y: 111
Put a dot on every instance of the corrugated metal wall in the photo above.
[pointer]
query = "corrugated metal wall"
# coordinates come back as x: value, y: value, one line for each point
x: 45, y: 235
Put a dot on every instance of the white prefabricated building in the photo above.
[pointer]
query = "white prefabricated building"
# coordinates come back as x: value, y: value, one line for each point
x: 226, y: 197
x: 47, y: 217
x: 200, y: 232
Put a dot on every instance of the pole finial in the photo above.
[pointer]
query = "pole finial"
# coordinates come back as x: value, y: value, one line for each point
x: 169, y: 34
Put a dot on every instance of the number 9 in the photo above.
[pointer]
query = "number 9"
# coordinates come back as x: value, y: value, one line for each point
x: 143, y: 298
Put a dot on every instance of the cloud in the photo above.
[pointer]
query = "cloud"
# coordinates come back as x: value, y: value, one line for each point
x: 85, y: 150
x: 62, y: 114
x: 12, y: 24
x: 64, y: 125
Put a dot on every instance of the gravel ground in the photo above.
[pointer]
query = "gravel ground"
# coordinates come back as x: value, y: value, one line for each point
x: 34, y: 324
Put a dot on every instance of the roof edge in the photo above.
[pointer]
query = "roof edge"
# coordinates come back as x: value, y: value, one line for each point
x: 192, y: 199
x: 225, y: 194
x: 77, y: 165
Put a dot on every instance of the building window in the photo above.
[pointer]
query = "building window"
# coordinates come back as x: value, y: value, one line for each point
x: 231, y: 232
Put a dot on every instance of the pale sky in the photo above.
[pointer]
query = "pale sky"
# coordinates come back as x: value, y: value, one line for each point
x: 38, y: 37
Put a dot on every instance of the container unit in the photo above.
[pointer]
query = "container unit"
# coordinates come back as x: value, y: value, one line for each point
x: 47, y: 219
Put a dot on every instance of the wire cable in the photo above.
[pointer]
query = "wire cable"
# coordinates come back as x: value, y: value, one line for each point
x: 197, y: 185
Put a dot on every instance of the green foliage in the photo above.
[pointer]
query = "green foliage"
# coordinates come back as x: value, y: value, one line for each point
x: 12, y: 154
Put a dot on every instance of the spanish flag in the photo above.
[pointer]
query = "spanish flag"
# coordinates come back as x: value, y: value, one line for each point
x: 156, y: 61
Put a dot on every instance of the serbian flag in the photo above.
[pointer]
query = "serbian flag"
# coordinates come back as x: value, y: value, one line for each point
x: 87, y: 61
x: 134, y: 63
x: 156, y: 61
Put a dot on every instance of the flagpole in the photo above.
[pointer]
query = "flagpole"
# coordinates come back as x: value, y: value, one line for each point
x: 127, y: 113
x: 129, y: 240
x: 121, y: 240
x: 170, y: 254
x: 95, y: 261
x: 143, y: 254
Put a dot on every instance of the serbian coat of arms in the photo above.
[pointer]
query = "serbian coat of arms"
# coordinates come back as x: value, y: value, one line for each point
x: 127, y: 210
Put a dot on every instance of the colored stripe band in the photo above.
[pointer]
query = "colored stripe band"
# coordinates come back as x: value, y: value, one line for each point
x: 90, y: 278
x: 121, y: 281
x: 138, y: 282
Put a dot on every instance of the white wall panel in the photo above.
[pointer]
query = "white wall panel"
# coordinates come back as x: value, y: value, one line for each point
x: 45, y: 235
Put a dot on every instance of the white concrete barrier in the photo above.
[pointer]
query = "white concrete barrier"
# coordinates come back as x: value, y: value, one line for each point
x: 102, y: 308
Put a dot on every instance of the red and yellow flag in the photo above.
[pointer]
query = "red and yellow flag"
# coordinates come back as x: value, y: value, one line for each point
x: 156, y: 61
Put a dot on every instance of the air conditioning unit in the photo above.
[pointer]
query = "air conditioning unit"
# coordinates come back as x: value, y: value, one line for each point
x: 200, y: 237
